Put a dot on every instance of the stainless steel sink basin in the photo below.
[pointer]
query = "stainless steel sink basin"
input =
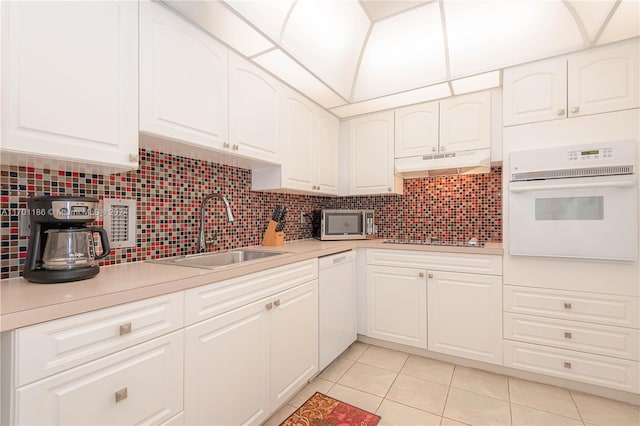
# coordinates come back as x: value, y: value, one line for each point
x: 217, y: 260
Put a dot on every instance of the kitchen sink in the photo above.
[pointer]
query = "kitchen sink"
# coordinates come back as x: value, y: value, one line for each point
x: 217, y: 260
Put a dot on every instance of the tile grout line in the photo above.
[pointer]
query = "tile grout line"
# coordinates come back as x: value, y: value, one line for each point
x: 577, y: 408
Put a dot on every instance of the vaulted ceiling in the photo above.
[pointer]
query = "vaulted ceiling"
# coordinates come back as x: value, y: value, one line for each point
x: 359, y: 56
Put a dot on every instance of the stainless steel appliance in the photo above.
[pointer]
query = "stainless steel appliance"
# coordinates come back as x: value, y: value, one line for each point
x: 341, y: 224
x: 577, y: 201
x: 61, y: 247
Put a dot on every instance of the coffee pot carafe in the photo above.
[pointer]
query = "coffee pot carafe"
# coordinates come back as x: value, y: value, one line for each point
x: 61, y: 247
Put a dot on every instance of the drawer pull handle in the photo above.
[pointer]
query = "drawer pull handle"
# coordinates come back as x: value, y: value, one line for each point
x: 567, y: 335
x: 567, y: 364
x: 575, y: 109
x: 421, y: 274
x: 269, y: 305
x: 121, y: 395
x: 125, y: 329
x: 430, y: 276
x: 561, y: 112
x: 567, y: 305
x: 277, y: 303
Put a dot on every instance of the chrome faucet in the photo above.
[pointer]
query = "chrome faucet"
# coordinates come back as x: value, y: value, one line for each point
x: 202, y: 241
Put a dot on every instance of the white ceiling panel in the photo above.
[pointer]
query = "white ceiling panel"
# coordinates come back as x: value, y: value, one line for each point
x: 624, y: 24
x: 326, y: 37
x: 404, y: 52
x: 475, y: 83
x: 290, y: 71
x: 410, y: 97
x: 218, y: 20
x: 592, y: 13
x: 269, y: 16
x: 379, y: 9
x: 487, y: 35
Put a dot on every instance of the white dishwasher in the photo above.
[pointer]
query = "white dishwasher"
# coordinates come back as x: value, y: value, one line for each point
x: 337, y: 305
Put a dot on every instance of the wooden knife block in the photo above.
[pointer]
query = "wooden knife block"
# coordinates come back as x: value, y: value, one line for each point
x: 271, y: 237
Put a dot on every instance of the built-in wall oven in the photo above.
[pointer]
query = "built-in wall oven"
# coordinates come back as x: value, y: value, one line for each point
x: 576, y: 201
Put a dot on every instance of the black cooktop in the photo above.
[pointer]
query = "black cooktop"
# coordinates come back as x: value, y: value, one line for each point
x: 437, y: 242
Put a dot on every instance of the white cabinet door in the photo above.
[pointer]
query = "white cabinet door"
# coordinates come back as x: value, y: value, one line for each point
x: 70, y: 82
x: 254, y: 111
x: 226, y: 367
x: 416, y: 130
x: 465, y: 315
x: 326, y: 130
x: 294, y: 341
x: 535, y: 92
x: 397, y: 305
x: 139, y: 385
x: 297, y: 131
x: 465, y: 122
x: 602, y: 80
x: 371, y: 156
x: 183, y: 80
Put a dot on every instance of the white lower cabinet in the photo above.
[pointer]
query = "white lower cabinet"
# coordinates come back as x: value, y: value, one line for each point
x: 464, y: 315
x: 397, y: 305
x: 139, y: 385
x: 242, y: 365
x: 230, y: 351
x: 429, y: 300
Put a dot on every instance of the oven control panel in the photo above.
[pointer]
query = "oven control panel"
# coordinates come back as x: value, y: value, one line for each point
x: 591, y: 154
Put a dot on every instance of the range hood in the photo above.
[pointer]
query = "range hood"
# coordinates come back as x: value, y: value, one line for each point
x: 449, y: 163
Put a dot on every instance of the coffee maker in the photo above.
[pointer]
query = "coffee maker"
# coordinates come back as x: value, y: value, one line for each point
x: 61, y: 247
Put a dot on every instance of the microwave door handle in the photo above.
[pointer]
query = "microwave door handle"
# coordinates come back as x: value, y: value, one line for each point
x: 619, y: 184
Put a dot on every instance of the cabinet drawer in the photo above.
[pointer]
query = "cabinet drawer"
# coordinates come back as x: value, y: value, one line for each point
x: 54, y: 346
x: 139, y: 385
x: 599, y: 370
x: 598, y: 339
x: 590, y: 307
x: 214, y: 299
x: 452, y: 262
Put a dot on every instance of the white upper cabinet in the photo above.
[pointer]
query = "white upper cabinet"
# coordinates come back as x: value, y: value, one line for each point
x: 183, y: 80
x: 465, y: 122
x: 604, y: 80
x: 326, y: 132
x: 599, y: 80
x: 254, y: 110
x: 371, y: 155
x: 535, y: 92
x: 297, y: 133
x: 416, y: 130
x: 70, y: 83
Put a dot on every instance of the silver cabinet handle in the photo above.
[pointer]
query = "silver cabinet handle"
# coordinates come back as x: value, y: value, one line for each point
x: 421, y: 274
x: 269, y: 305
x: 567, y: 305
x: 567, y: 364
x: 434, y: 149
x: 430, y: 276
x: 235, y: 147
x: 318, y: 187
x: 134, y: 157
x: 125, y: 329
x: 121, y: 395
x: 568, y: 335
x: 277, y: 303
x: 443, y: 148
x: 225, y: 144
x: 575, y: 109
x: 389, y: 189
x: 561, y: 112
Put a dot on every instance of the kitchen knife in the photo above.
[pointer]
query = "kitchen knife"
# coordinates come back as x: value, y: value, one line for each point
x: 281, y: 221
x: 276, y: 214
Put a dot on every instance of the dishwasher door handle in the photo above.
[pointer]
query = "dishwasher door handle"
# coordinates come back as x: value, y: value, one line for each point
x: 340, y: 259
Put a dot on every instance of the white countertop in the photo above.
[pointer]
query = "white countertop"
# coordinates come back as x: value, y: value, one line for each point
x: 23, y: 303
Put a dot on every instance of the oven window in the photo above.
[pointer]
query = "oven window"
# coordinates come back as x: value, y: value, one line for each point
x: 570, y: 208
x: 343, y: 224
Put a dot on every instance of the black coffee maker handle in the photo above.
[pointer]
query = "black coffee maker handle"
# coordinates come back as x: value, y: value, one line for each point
x: 104, y: 241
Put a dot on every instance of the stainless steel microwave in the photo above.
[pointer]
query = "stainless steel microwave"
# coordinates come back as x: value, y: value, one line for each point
x: 340, y: 224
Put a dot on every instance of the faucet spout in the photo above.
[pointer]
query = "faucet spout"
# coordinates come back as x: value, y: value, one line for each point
x: 202, y: 241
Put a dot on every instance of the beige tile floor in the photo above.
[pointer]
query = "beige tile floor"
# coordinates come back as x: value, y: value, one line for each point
x: 409, y: 390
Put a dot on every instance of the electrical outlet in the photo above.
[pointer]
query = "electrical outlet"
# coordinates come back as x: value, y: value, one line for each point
x: 303, y: 220
x: 24, y: 226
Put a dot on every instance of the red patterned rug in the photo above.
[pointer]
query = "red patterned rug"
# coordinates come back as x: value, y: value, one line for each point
x: 322, y: 410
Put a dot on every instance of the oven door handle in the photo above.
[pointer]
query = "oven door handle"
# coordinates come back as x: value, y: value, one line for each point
x: 526, y: 186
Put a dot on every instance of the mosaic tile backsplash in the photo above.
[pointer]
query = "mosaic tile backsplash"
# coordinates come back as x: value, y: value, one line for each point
x: 168, y: 190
